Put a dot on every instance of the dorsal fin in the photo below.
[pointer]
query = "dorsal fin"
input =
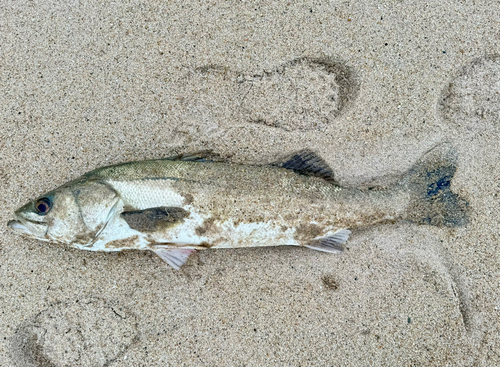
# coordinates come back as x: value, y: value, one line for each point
x: 308, y: 163
x: 200, y: 156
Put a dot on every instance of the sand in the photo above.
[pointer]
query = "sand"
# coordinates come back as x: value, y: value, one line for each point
x: 369, y: 86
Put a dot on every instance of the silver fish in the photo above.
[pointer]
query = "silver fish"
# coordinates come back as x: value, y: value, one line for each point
x: 178, y: 205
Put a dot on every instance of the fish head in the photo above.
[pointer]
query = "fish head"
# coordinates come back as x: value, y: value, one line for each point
x: 72, y: 214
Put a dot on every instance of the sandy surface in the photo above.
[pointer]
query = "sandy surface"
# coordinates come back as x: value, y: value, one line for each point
x: 369, y: 86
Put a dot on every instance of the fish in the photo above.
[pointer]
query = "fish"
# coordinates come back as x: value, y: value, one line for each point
x: 178, y: 205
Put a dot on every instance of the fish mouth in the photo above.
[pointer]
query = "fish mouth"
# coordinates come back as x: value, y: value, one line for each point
x: 28, y: 228
x: 18, y: 226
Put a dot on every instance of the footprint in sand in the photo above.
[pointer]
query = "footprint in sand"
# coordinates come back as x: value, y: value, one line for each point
x: 303, y: 94
x: 472, y: 99
x: 88, y: 333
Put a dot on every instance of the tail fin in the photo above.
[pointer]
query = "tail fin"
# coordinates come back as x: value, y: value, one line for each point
x: 432, y: 201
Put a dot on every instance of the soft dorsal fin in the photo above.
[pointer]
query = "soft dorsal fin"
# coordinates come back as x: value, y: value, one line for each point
x: 200, y: 156
x: 308, y: 163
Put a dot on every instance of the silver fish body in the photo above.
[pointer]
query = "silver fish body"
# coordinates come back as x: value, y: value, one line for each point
x: 176, y: 206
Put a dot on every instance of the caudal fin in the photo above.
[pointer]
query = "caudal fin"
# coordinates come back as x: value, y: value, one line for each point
x: 429, y: 181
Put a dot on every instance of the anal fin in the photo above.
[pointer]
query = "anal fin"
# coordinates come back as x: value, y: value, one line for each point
x: 175, y: 257
x: 333, y: 243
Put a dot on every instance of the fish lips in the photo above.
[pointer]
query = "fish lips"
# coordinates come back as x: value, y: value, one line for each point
x: 29, y: 228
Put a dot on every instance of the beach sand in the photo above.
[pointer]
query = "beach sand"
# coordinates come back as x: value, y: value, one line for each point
x: 370, y: 87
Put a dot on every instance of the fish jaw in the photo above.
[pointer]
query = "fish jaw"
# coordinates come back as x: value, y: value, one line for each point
x: 28, y: 223
x: 28, y: 228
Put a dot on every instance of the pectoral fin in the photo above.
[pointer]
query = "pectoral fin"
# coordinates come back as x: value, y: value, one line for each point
x: 174, y: 257
x: 152, y: 219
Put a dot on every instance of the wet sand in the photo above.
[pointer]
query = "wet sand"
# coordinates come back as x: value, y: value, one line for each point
x: 370, y: 88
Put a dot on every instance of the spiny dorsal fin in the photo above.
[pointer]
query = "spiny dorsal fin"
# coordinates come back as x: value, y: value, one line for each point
x: 308, y: 163
x: 200, y: 156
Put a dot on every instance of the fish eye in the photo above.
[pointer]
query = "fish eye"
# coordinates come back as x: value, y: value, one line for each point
x: 43, y: 206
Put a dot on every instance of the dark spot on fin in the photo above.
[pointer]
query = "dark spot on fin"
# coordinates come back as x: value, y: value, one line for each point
x: 201, y: 156
x: 331, y: 243
x: 308, y: 163
x: 152, y: 219
x: 175, y: 257
x: 429, y: 182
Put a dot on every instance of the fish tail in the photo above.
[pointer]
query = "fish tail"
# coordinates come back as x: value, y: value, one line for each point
x: 429, y: 182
